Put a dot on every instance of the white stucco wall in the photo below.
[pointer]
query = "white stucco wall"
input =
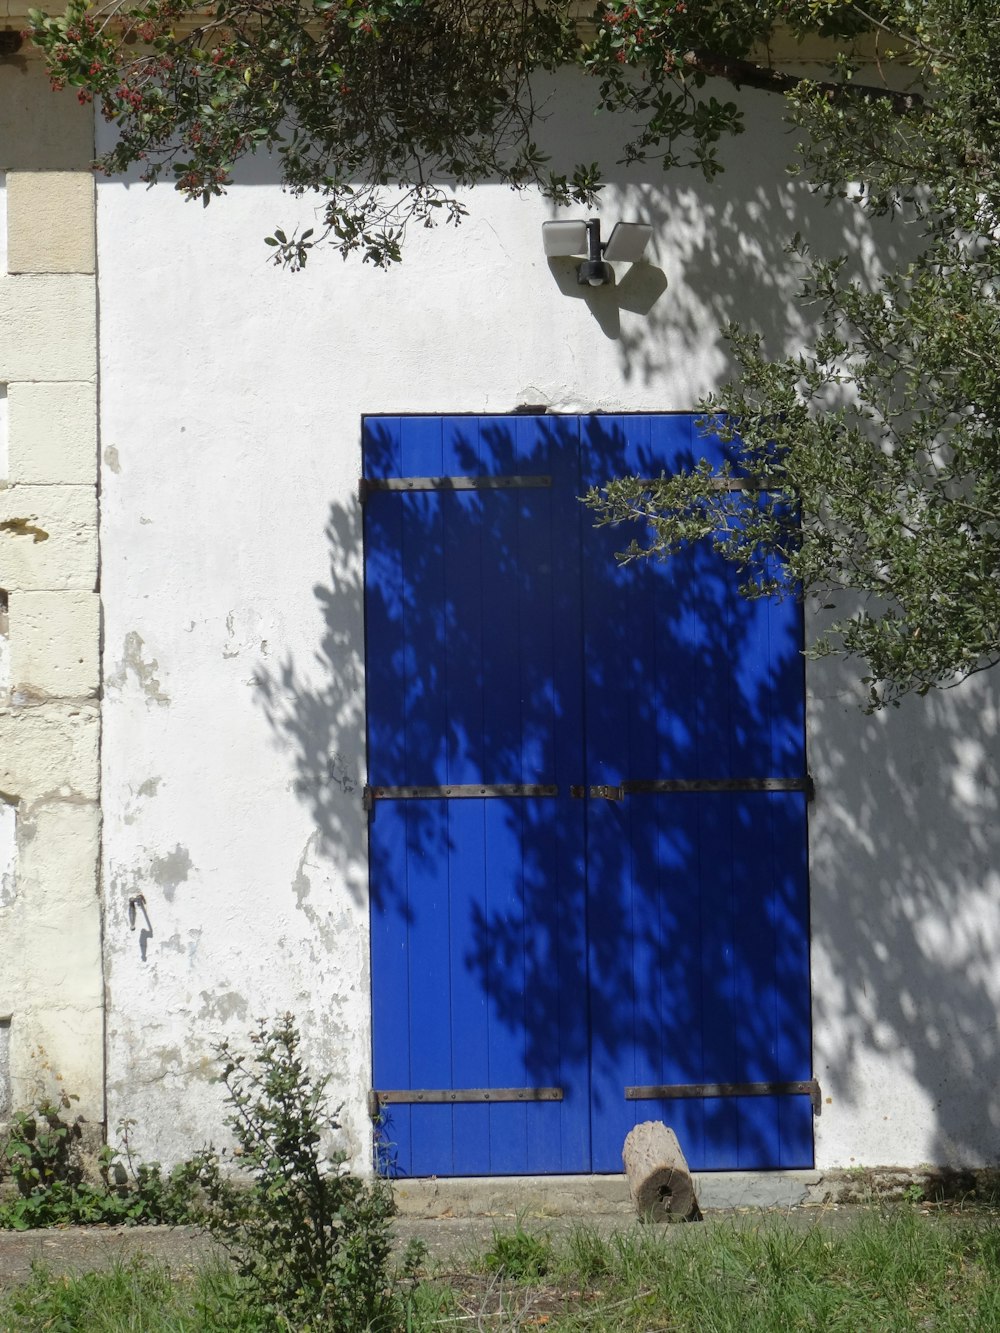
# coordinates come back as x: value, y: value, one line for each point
x: 233, y: 741
x: 906, y: 924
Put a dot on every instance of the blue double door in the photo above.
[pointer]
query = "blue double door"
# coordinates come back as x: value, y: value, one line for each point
x: 589, y: 900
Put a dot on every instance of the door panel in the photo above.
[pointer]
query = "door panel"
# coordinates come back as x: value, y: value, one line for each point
x: 483, y: 909
x: 686, y: 679
x: 585, y: 944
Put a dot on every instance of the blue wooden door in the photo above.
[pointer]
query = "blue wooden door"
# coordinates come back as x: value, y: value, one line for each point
x: 588, y: 864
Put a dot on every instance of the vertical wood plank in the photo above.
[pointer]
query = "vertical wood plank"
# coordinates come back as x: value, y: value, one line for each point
x: 464, y: 524
x: 569, y: 990
x: 542, y: 873
x: 426, y: 688
x: 790, y: 905
x: 384, y: 654
x: 754, y: 976
x: 502, y: 945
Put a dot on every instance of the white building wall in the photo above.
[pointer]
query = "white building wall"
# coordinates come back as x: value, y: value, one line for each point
x: 233, y: 742
x: 906, y: 924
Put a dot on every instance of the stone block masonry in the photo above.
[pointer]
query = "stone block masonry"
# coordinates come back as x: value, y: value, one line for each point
x: 51, y: 983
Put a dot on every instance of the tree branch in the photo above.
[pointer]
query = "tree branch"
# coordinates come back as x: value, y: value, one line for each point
x: 748, y: 73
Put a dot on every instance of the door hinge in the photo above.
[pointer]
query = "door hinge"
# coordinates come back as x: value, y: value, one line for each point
x: 603, y: 791
x: 379, y: 1097
x: 663, y: 786
x: 455, y: 791
x: 407, y: 485
x: 791, y: 1088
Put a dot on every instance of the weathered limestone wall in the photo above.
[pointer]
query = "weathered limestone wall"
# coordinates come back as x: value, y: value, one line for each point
x: 51, y: 989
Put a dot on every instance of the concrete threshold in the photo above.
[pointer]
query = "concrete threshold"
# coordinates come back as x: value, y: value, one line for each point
x: 582, y: 1196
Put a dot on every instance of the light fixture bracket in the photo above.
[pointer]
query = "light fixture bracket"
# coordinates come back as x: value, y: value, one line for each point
x: 594, y: 273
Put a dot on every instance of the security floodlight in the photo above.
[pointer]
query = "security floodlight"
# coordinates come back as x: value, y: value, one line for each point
x: 627, y: 242
x: 626, y: 245
x: 562, y: 239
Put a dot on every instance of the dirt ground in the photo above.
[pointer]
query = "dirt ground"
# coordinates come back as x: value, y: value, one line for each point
x: 81, y: 1249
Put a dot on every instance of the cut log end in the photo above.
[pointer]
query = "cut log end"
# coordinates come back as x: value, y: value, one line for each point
x: 658, y: 1176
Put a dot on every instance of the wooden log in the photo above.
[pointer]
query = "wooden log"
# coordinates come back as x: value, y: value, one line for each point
x: 658, y: 1175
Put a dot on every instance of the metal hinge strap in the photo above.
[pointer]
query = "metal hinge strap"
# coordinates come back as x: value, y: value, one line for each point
x: 796, y: 1087
x: 379, y: 1097
x: 481, y: 483
x: 609, y: 792
x: 458, y: 791
x: 719, y: 784
x: 603, y: 791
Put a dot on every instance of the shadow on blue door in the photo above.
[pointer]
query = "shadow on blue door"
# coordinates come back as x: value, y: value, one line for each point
x: 572, y: 936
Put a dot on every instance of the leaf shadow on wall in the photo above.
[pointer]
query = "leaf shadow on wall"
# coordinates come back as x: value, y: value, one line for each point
x: 499, y: 945
x: 904, y: 831
x: 904, y: 843
x: 719, y: 251
x: 316, y: 712
x: 906, y: 918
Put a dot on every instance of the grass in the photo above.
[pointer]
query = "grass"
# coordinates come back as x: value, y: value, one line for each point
x: 136, y: 1296
x: 894, y: 1270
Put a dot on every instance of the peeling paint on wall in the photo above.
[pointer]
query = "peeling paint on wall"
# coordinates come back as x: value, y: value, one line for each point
x: 4, y: 414
x: 243, y: 634
x: 24, y: 527
x: 27, y: 827
x: 145, y: 791
x: 8, y: 853
x: 326, y: 925
x: 301, y: 884
x: 341, y: 773
x: 144, y: 671
x: 170, y: 870
x: 222, y: 1006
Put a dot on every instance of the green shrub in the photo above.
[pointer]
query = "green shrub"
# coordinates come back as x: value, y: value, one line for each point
x: 310, y: 1241
x: 519, y: 1254
x: 43, y: 1159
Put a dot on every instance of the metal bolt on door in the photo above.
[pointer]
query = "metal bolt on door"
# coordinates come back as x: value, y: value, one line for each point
x: 587, y: 802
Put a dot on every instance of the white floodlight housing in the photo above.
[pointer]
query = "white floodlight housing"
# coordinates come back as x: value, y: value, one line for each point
x: 564, y: 238
x: 627, y: 242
